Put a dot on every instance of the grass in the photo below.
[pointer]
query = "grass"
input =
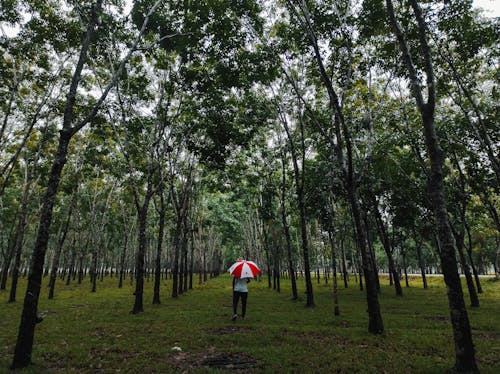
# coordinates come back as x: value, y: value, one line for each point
x: 94, y: 332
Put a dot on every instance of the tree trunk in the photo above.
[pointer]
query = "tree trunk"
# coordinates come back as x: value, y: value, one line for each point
x: 142, y: 216
x: 342, y: 133
x: 386, y: 243
x: 161, y: 229
x: 371, y: 251
x: 464, y: 348
x: 177, y: 249
x: 95, y: 257
x: 122, y: 261
x: 268, y: 256
x: 191, y: 263
x: 299, y: 187
x: 57, y: 255
x: 344, y: 263
x: 181, y: 208
x: 72, y: 265
x: 185, y: 246
x: 277, y: 260
x: 7, y: 261
x: 286, y: 231
x: 471, y: 260
x: 459, y: 240
x: 418, y: 244
x: 24, y: 343
x: 19, y: 238
x: 331, y: 236
x: 405, y: 266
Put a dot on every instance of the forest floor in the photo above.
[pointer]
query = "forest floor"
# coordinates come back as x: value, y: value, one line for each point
x: 95, y: 333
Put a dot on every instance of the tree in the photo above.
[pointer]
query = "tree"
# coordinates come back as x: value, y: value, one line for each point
x: 343, y: 144
x: 464, y: 348
x: 299, y: 177
x: 24, y: 344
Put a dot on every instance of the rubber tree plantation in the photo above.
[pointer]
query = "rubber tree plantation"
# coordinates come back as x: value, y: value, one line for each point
x: 349, y: 149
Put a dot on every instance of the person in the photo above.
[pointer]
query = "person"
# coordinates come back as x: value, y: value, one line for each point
x: 240, y: 290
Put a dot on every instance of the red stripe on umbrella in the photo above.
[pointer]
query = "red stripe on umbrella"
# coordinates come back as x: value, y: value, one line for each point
x: 244, y: 269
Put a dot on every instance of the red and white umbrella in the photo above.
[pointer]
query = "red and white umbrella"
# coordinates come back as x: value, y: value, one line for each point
x: 244, y: 269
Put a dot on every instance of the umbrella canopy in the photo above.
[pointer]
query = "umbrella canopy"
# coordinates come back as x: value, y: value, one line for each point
x: 244, y: 269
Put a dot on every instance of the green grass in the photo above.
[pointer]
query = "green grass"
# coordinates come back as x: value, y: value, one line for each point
x: 94, y: 332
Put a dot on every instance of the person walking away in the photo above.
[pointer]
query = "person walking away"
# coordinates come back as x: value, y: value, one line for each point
x: 240, y: 290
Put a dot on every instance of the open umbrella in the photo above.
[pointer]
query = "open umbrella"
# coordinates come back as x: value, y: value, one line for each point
x: 244, y: 269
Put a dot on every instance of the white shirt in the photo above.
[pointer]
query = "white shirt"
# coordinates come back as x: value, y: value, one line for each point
x: 240, y: 285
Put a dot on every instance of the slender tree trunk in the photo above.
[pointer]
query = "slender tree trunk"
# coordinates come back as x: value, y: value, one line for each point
x: 72, y: 265
x: 185, y: 246
x: 142, y: 216
x: 177, y: 249
x: 286, y: 231
x: 471, y: 260
x: 181, y: 208
x: 57, y: 255
x: 342, y: 133
x: 371, y: 251
x: 19, y: 237
x: 277, y: 259
x: 161, y: 230
x: 331, y: 236
x: 201, y: 245
x: 11, y: 248
x: 386, y: 243
x: 299, y: 186
x: 359, y: 270
x: 344, y: 263
x: 405, y: 266
x: 122, y: 261
x: 464, y: 348
x: 18, y: 246
x: 496, y: 263
x: 95, y: 257
x: 418, y: 244
x: 180, y: 291
x: 268, y: 256
x: 191, y: 263
x: 80, y: 269
x: 459, y: 240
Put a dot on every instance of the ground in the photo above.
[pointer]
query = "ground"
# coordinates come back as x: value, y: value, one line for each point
x: 94, y: 332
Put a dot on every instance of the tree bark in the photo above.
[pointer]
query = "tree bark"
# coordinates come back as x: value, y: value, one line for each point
x: 57, y: 255
x: 331, y: 237
x: 24, y: 344
x: 72, y: 265
x: 8, y: 260
x: 286, y: 230
x: 142, y: 216
x: 371, y: 251
x: 459, y: 240
x: 418, y: 244
x: 19, y: 238
x: 161, y: 230
x: 386, y: 243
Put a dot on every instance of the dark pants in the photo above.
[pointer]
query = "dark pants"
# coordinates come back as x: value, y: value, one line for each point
x: 236, y: 297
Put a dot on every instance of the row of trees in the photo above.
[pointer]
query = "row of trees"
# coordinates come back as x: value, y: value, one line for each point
x: 159, y: 137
